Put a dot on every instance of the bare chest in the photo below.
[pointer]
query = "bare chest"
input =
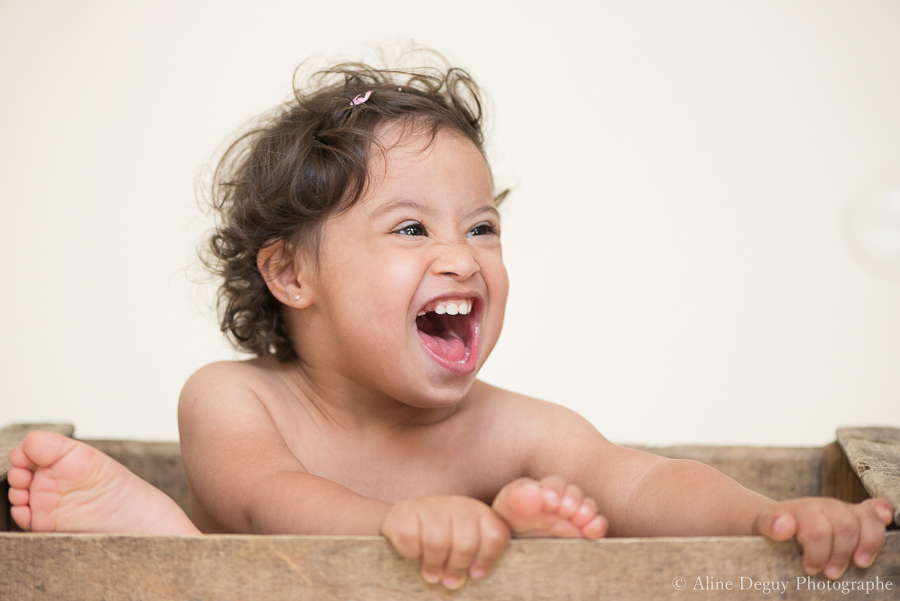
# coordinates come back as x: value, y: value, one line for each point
x: 429, y: 464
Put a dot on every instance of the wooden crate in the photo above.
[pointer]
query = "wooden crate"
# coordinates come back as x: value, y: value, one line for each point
x: 236, y: 567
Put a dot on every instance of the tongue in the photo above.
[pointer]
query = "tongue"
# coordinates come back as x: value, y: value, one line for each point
x: 449, y: 348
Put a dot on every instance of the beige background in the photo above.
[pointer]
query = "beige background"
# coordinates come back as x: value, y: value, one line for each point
x: 685, y: 174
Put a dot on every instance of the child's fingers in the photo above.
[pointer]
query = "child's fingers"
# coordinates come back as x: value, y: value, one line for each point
x: 882, y: 509
x: 845, y: 527
x: 464, y: 547
x: 436, y: 544
x: 816, y: 536
x: 404, y: 536
x: 832, y: 533
x: 776, y: 524
x: 871, y: 537
x: 493, y: 538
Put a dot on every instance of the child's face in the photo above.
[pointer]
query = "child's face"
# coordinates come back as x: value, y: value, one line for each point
x: 410, y: 289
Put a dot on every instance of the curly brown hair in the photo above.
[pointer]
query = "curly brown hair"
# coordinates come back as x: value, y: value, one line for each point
x: 307, y: 160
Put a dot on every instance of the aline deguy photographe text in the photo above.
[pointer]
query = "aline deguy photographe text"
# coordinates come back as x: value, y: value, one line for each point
x: 798, y: 583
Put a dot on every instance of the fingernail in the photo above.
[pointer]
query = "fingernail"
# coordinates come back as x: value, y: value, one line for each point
x: 779, y: 525
x: 834, y: 572
x: 431, y: 577
x: 864, y: 560
x: 884, y: 514
x: 476, y: 573
x: 453, y: 582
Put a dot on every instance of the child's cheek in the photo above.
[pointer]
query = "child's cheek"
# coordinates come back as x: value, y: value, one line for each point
x: 501, y: 292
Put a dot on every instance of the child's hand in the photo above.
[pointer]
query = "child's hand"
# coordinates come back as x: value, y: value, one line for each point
x: 453, y: 536
x: 831, y: 532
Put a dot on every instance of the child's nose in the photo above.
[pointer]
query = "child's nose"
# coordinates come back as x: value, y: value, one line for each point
x: 455, y: 260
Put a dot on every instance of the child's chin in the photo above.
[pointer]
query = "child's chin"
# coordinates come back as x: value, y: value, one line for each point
x: 445, y: 390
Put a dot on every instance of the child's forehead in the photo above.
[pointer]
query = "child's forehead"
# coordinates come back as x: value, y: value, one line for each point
x: 447, y: 165
x: 397, y: 141
x: 422, y: 173
x: 399, y: 148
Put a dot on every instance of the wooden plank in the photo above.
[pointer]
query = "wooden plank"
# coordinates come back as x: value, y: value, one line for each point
x: 874, y: 456
x: 839, y: 480
x: 241, y: 568
x: 10, y: 437
x: 777, y: 472
x: 83, y: 566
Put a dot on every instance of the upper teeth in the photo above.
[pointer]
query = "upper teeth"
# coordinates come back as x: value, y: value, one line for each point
x: 451, y: 307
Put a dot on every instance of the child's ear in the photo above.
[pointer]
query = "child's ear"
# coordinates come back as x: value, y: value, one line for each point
x: 281, y: 271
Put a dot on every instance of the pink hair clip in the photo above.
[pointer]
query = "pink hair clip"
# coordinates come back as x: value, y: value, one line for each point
x: 359, y: 98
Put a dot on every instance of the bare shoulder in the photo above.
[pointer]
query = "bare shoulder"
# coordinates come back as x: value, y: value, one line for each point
x: 229, y: 391
x: 230, y: 439
x: 228, y: 408
x: 528, y: 414
x: 550, y: 439
x: 225, y: 375
x: 539, y: 432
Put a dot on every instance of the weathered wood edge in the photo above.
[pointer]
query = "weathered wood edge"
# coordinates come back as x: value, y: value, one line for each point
x: 839, y: 480
x: 874, y: 456
x: 231, y: 567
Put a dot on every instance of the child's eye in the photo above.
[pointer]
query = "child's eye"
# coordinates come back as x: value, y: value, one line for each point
x: 483, y: 229
x: 411, y: 229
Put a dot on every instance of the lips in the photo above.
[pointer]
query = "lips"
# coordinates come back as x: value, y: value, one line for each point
x: 448, y: 328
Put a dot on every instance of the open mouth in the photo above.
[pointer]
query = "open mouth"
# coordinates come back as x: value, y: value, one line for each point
x: 448, y: 329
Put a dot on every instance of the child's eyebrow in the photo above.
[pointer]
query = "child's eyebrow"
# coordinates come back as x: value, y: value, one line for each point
x: 402, y: 204
x: 485, y: 209
x: 411, y: 204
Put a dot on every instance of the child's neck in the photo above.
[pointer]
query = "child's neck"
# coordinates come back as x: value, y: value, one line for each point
x: 348, y: 405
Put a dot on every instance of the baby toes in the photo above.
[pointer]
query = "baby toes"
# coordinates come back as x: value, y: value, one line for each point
x: 596, y: 528
x: 570, y: 503
x: 586, y: 512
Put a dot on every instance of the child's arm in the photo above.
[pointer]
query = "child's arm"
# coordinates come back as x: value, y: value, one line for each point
x: 244, y: 475
x: 248, y: 480
x: 643, y: 494
x: 686, y: 497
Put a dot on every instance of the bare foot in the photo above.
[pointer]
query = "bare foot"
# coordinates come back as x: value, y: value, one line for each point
x: 549, y: 508
x: 58, y: 484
